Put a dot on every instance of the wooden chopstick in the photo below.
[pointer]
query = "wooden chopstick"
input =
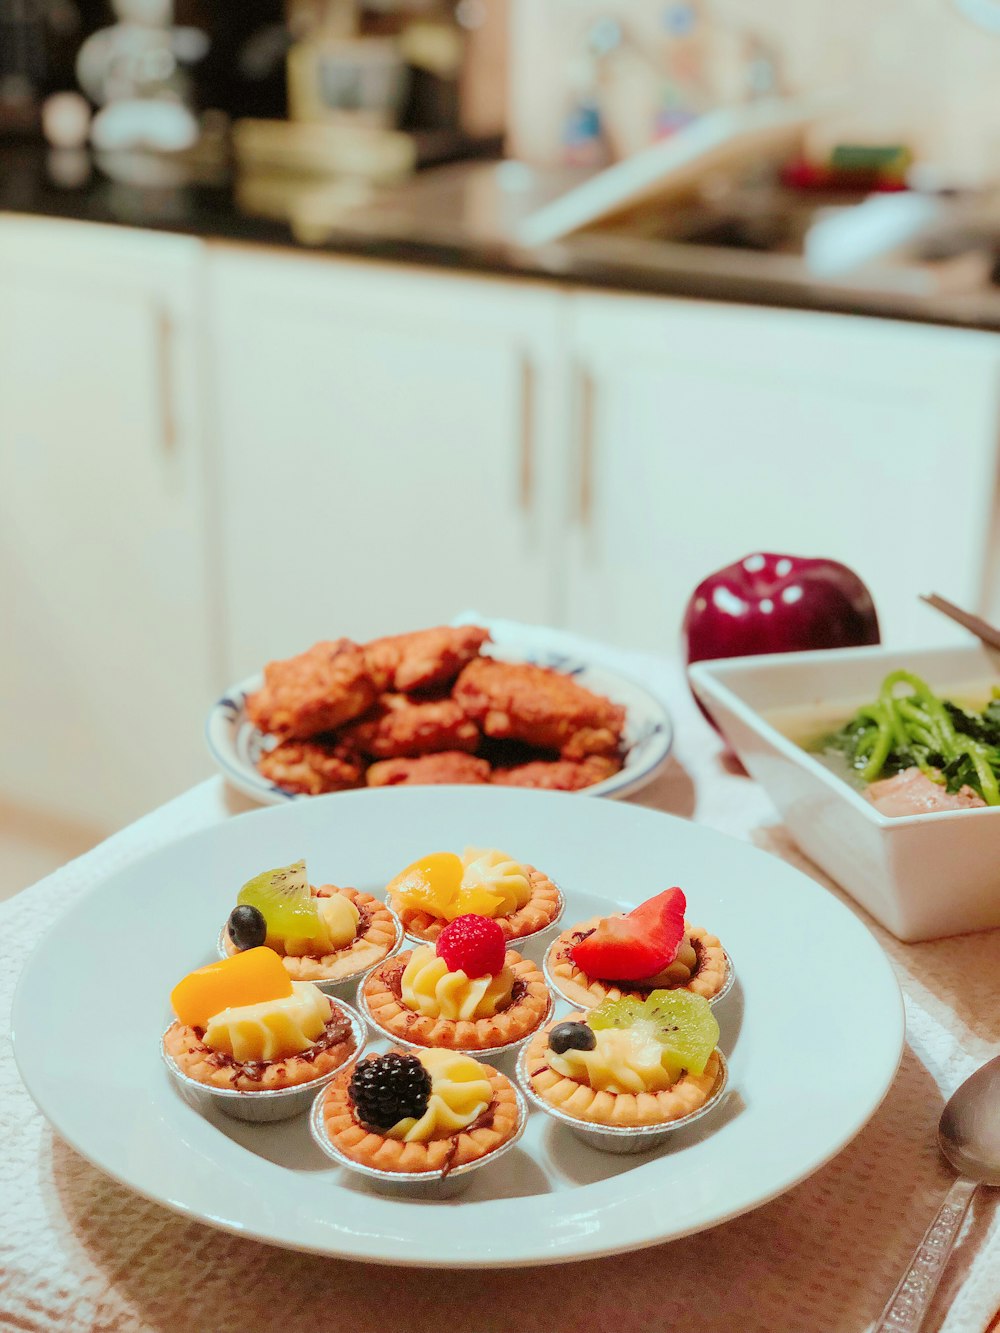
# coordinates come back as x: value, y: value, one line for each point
x: 982, y: 629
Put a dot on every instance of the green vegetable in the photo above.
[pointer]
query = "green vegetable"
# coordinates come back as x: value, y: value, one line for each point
x: 909, y: 726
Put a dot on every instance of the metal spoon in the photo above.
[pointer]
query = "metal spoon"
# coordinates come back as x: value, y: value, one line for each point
x: 969, y: 1136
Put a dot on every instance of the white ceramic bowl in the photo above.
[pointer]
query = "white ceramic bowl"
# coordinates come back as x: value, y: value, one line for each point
x: 921, y: 876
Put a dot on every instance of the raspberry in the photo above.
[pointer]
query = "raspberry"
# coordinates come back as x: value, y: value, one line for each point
x: 387, y: 1088
x: 474, y: 944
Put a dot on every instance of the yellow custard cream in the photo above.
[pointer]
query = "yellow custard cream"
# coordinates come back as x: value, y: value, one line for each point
x: 338, y: 926
x: 495, y: 871
x: 680, y: 971
x: 428, y: 988
x: 623, y: 1060
x: 460, y: 1093
x: 272, y: 1029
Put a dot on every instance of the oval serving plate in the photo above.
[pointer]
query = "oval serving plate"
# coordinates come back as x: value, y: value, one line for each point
x: 235, y: 744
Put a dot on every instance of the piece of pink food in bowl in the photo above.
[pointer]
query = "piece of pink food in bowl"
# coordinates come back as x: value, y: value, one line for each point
x: 912, y: 792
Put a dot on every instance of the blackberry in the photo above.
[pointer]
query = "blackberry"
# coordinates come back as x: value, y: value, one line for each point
x: 387, y: 1088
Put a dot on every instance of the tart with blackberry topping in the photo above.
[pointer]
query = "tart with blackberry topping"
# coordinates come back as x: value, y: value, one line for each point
x: 466, y: 992
x: 243, y: 1025
x: 650, y: 948
x: 628, y: 1064
x: 324, y: 934
x: 416, y: 1113
x: 482, y: 881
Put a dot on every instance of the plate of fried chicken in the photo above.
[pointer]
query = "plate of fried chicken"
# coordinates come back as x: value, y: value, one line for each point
x: 452, y: 704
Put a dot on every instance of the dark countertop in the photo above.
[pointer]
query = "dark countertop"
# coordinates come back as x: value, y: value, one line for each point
x: 460, y: 218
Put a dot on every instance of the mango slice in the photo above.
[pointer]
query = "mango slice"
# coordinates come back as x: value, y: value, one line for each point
x: 430, y: 883
x: 246, y: 978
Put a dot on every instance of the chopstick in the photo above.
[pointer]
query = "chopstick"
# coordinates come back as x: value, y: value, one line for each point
x: 982, y: 629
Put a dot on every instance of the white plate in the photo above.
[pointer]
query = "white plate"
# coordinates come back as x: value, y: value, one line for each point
x: 235, y: 743
x: 812, y: 1048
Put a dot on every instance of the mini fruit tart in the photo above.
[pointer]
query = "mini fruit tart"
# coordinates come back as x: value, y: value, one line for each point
x: 482, y: 882
x: 628, y: 1072
x: 650, y: 948
x: 465, y: 993
x: 251, y: 1038
x: 328, y: 934
x: 410, y: 1118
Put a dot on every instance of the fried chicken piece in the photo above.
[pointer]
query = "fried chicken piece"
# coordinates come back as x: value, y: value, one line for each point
x: 404, y: 728
x: 317, y: 691
x: 540, y: 706
x: 312, y: 767
x: 425, y: 658
x: 450, y: 766
x: 559, y: 774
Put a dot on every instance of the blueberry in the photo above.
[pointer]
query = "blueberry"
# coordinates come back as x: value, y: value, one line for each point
x: 571, y: 1037
x: 247, y: 927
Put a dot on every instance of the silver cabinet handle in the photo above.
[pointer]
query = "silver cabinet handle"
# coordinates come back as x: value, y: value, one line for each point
x: 585, y: 439
x: 911, y: 1300
x: 526, y: 455
x: 165, y: 380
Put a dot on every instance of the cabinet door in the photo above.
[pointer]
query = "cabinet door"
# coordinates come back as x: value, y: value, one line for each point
x: 105, y: 672
x: 703, y: 433
x: 380, y: 436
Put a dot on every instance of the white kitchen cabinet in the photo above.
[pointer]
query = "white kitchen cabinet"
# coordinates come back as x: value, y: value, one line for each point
x: 383, y: 448
x: 106, y: 670
x: 702, y: 432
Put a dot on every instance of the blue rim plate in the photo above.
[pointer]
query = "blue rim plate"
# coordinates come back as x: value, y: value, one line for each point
x: 235, y: 744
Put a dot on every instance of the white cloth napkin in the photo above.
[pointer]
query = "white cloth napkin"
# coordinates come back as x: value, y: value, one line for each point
x: 78, y: 1252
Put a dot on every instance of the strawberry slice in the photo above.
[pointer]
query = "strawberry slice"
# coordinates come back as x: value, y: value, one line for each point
x: 636, y: 946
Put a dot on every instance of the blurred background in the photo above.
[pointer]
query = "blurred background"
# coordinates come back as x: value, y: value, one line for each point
x: 328, y: 318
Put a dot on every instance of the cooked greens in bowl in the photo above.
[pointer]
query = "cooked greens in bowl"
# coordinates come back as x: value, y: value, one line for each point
x: 913, y: 751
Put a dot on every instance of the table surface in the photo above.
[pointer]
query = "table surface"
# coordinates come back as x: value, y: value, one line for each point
x: 79, y: 1252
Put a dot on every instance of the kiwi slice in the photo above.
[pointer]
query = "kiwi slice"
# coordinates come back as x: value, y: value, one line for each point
x: 285, y: 900
x: 682, y: 1023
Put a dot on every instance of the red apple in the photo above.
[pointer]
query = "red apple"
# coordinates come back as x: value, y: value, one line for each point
x: 769, y: 603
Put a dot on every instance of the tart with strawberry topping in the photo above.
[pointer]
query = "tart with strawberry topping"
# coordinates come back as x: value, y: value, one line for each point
x: 432, y: 1111
x: 326, y: 934
x: 467, y: 992
x: 629, y: 1064
x: 483, y: 882
x: 242, y: 1025
x: 633, y: 953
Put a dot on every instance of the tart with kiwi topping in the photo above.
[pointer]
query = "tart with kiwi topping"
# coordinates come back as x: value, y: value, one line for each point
x: 634, y: 953
x: 432, y: 1111
x: 628, y: 1064
x: 244, y: 1025
x: 324, y: 934
x: 467, y: 992
x: 439, y: 888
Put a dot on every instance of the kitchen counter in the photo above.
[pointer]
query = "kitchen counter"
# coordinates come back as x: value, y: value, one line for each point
x: 463, y: 217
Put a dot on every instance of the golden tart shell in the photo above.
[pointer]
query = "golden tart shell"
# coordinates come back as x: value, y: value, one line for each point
x: 541, y: 910
x: 579, y: 988
x: 375, y: 941
x: 518, y: 1020
x: 627, y: 1110
x: 192, y: 1057
x: 369, y: 1148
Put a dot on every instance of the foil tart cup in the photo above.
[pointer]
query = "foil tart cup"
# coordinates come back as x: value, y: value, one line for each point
x: 578, y: 1002
x: 269, y: 1104
x: 339, y: 986
x: 623, y: 1139
x: 419, y: 1185
x: 483, y: 1053
x: 511, y: 944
